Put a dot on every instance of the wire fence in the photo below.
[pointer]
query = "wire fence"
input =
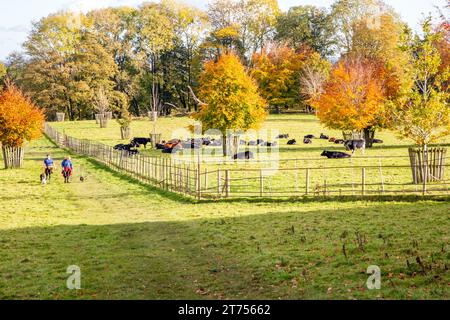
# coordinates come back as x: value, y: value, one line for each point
x: 243, y: 179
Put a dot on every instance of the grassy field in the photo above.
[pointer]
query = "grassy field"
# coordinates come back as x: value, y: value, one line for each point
x: 393, y: 152
x: 133, y: 241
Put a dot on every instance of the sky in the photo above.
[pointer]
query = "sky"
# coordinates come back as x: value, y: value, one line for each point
x: 16, y: 16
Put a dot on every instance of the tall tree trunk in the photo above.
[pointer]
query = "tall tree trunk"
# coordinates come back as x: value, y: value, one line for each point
x: 230, y: 145
x: 425, y: 169
x: 369, y: 135
x: 13, y: 157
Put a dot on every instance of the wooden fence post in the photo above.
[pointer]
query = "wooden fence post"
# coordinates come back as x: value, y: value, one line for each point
x: 219, y: 178
x: 363, y: 181
x: 381, y: 177
x: 307, y: 181
x: 261, y: 183
x: 227, y: 183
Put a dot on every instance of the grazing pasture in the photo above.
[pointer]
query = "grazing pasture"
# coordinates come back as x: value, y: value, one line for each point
x: 133, y: 241
x: 282, y: 171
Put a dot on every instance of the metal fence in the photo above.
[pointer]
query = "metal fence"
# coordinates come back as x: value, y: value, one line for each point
x: 240, y: 179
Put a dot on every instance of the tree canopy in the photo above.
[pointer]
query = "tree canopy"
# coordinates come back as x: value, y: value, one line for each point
x: 20, y: 119
x: 423, y: 113
x: 146, y: 58
x: 230, y: 96
x: 353, y: 97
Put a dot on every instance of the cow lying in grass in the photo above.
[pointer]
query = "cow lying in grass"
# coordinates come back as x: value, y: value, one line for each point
x: 292, y: 142
x: 335, y: 155
x: 307, y: 141
x: 283, y: 136
x: 160, y: 146
x: 125, y: 147
x: 244, y: 155
x: 269, y: 144
x: 172, y: 146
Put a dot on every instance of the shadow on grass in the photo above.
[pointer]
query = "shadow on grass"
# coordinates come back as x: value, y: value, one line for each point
x: 246, y: 257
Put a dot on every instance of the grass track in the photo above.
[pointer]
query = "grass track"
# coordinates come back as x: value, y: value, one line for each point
x: 132, y: 241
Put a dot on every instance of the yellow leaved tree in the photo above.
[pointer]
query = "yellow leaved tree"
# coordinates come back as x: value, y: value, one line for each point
x: 229, y: 99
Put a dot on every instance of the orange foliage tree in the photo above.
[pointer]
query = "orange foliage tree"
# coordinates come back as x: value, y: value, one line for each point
x: 229, y: 98
x: 20, y: 121
x: 277, y: 71
x: 353, y: 98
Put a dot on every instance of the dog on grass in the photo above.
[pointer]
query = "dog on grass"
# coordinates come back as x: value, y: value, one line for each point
x: 43, y: 179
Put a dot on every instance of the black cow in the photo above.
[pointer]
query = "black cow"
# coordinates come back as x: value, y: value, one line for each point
x: 339, y: 141
x: 292, y: 142
x: 215, y: 143
x: 353, y: 145
x: 206, y: 141
x: 124, y: 147
x: 269, y: 144
x: 244, y: 155
x: 119, y: 146
x: 192, y: 144
x: 283, y: 136
x: 160, y: 146
x: 309, y: 136
x: 335, y: 155
x: 174, y: 149
x: 324, y: 137
x: 307, y: 141
x: 132, y: 152
x: 377, y: 141
x: 141, y: 141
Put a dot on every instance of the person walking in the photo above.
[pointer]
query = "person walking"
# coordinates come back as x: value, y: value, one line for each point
x: 67, y: 169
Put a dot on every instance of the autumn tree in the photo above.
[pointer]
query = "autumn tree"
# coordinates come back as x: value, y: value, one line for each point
x: 442, y: 43
x: 230, y: 99
x: 307, y: 25
x: 314, y: 74
x: 423, y: 114
x: 2, y: 74
x: 116, y: 31
x: 277, y: 72
x: 155, y: 37
x: 346, y: 13
x: 124, y: 119
x: 20, y: 121
x: 244, y: 26
x: 381, y: 44
x: 66, y: 65
x: 352, y: 98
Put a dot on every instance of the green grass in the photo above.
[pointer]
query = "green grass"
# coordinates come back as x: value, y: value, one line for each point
x: 133, y: 241
x: 393, y: 152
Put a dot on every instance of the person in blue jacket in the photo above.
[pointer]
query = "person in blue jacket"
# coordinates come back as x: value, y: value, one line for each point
x: 67, y: 169
x: 48, y: 167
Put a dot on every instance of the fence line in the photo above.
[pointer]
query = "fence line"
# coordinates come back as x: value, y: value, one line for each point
x: 193, y: 180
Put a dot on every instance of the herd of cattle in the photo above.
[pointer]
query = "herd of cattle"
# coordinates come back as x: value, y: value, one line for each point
x: 175, y: 145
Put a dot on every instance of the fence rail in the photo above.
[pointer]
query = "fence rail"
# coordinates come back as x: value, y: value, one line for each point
x: 199, y: 181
